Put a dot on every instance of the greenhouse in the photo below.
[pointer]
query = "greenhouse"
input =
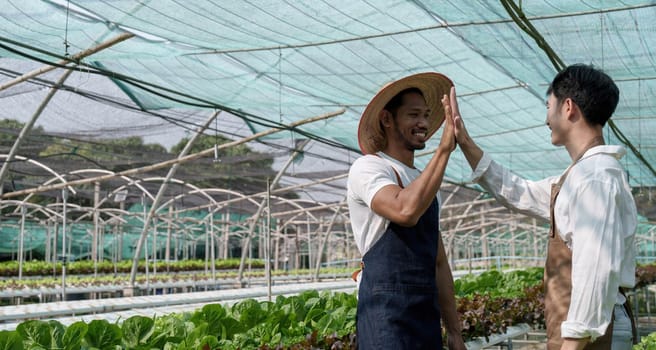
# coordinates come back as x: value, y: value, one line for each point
x: 161, y: 157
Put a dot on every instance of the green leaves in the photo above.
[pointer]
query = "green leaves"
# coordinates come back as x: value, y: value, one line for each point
x: 217, y: 321
x: 646, y: 343
x: 249, y: 313
x: 497, y: 284
x: 311, y: 320
x: 137, y: 331
x: 72, y: 339
x: 42, y: 268
x: 36, y: 334
x: 103, y: 335
x: 11, y: 340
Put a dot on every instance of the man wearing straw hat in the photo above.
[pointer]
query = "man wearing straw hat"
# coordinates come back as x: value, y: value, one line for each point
x: 405, y: 285
x: 590, y: 255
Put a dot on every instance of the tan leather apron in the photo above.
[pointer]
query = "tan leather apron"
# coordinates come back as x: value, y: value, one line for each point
x: 558, y: 278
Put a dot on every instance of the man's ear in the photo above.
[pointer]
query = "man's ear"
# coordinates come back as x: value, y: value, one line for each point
x: 571, y: 110
x: 385, y: 118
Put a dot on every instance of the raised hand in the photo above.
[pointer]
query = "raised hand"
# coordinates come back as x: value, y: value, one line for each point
x: 448, y: 140
x: 472, y: 152
x: 459, y: 126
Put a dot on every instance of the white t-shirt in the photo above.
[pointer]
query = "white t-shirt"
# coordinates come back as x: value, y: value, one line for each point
x: 367, y: 176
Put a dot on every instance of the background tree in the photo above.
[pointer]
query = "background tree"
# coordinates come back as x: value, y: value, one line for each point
x: 237, y: 168
x: 66, y: 154
x: 110, y: 154
x: 33, y: 144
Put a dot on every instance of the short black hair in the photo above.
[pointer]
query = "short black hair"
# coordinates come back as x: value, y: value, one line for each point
x: 593, y: 91
x: 395, y: 102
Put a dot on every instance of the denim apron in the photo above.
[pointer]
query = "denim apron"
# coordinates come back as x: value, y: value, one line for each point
x: 397, y: 298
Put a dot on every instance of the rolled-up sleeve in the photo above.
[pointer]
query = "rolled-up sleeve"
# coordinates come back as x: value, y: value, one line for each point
x: 483, y: 165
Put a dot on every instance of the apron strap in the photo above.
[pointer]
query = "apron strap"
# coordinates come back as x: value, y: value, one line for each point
x: 629, y: 312
x: 398, y: 177
x: 555, y: 188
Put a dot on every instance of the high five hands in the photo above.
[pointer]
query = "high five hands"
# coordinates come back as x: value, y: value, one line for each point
x: 454, y: 126
x: 448, y: 141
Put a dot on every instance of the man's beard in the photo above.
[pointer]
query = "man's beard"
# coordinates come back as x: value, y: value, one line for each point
x: 408, y: 144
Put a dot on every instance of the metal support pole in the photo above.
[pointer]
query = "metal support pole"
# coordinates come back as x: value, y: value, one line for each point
x: 309, y: 243
x: 212, y: 251
x: 255, y: 218
x: 21, y: 253
x: 323, y: 243
x: 155, y: 247
x: 206, y: 266
x: 161, y: 191
x: 226, y: 233
x: 267, y: 242
x: 48, y: 242
x: 64, y: 255
x: 145, y: 243
x: 167, y: 254
x: 94, y: 247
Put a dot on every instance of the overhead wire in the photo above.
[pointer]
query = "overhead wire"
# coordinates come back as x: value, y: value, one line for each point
x: 165, y: 92
x: 178, y: 121
x: 104, y: 99
x: 413, y: 30
x: 115, y: 102
x: 519, y: 17
x: 251, y: 118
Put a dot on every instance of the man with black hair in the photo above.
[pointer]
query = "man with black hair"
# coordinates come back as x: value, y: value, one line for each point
x: 405, y: 285
x: 591, y: 254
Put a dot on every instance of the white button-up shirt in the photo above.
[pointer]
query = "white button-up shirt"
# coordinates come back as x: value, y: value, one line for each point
x: 595, y: 215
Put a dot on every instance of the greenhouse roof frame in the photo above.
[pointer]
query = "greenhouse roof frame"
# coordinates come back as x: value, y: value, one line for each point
x: 273, y: 63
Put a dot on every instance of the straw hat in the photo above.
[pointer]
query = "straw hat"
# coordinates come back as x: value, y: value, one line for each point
x: 433, y: 86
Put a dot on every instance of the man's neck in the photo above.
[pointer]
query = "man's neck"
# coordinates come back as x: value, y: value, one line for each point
x: 582, y: 143
x: 406, y: 157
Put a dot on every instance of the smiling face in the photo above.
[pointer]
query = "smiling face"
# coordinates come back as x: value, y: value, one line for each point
x: 410, y: 124
x: 556, y: 121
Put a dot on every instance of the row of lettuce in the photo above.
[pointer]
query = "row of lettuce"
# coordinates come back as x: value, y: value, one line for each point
x: 85, y: 267
x: 113, y: 272
x: 307, y: 321
x: 82, y: 281
x: 311, y: 320
x: 488, y: 303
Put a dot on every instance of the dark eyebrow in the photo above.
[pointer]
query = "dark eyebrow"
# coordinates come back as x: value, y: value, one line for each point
x: 419, y: 109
